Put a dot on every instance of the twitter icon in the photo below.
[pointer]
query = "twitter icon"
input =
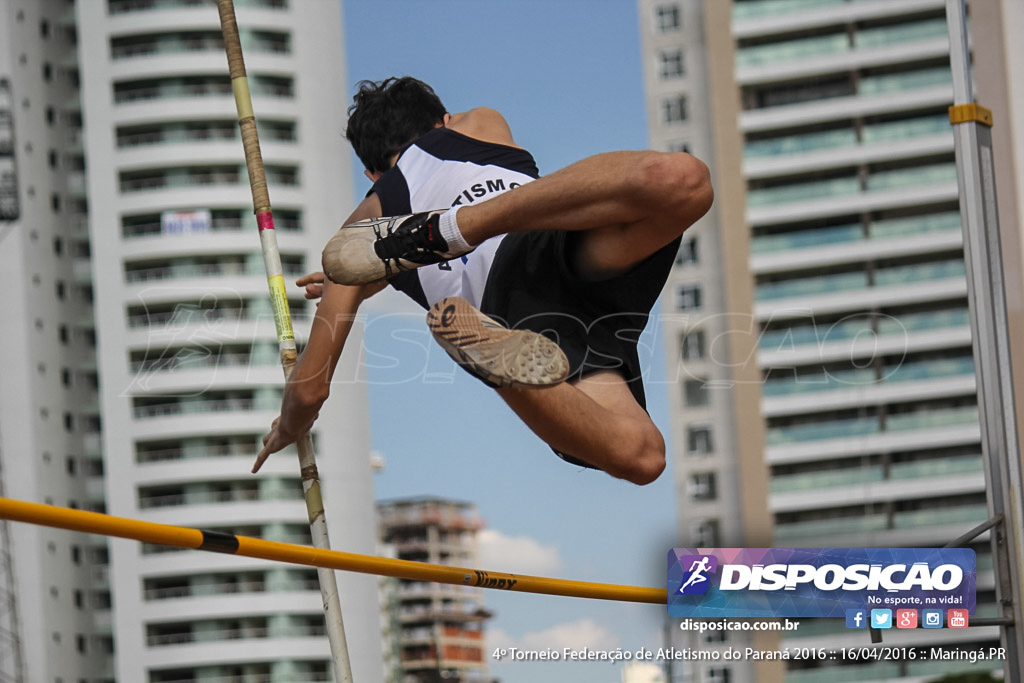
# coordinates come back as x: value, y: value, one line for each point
x: 881, y: 618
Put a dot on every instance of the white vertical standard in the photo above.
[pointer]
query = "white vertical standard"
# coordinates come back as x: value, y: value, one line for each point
x: 987, y: 297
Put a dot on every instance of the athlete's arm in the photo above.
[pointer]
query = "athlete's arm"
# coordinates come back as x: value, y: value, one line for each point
x: 309, y: 384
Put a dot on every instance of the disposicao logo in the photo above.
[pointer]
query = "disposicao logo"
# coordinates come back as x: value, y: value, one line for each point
x: 695, y: 579
x: 824, y: 582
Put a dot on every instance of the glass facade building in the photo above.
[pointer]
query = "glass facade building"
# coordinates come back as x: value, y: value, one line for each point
x: 853, y: 252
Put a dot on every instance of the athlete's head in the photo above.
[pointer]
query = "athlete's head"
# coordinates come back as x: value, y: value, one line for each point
x: 387, y: 116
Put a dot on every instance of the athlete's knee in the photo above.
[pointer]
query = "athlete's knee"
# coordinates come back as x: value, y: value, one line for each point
x: 677, y: 182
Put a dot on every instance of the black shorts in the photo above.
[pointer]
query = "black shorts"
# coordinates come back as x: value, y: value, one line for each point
x: 532, y: 285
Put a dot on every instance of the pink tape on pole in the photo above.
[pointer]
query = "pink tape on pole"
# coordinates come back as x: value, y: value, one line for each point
x: 265, y: 221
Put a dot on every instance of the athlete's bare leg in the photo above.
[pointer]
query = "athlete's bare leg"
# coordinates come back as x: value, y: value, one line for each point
x: 597, y: 420
x: 630, y: 203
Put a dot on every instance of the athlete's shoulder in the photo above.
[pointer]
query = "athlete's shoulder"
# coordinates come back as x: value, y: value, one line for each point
x: 483, y: 123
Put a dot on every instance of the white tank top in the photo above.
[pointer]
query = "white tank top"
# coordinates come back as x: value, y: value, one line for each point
x: 441, y: 169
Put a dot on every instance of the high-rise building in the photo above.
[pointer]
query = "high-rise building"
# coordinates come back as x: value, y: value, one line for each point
x: 834, y: 265
x: 439, y: 628
x: 147, y: 365
x: 713, y: 379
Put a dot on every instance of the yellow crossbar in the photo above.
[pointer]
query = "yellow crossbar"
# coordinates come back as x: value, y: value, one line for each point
x: 216, y: 541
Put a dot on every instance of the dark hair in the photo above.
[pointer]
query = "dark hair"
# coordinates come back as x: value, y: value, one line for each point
x: 387, y: 116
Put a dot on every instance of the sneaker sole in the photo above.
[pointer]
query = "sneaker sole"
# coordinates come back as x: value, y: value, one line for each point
x: 498, y: 356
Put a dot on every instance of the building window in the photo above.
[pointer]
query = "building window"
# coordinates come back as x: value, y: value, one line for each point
x: 687, y: 253
x: 668, y: 18
x: 705, y: 533
x: 714, y: 636
x: 689, y: 298
x: 681, y: 146
x: 671, y: 64
x: 691, y: 346
x: 720, y: 675
x: 675, y: 109
x: 698, y: 440
x: 701, y: 486
x: 695, y: 392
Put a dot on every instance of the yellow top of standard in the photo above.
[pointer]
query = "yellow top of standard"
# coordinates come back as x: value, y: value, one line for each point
x: 962, y: 113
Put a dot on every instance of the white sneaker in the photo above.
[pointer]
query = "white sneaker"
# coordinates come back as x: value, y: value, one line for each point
x: 377, y: 248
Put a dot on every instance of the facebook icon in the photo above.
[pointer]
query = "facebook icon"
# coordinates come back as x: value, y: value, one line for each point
x: 856, y: 618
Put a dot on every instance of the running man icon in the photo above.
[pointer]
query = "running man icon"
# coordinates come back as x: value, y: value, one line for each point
x: 698, y: 569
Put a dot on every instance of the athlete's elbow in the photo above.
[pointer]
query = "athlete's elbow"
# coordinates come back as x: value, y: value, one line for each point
x: 644, y: 462
x: 677, y: 183
x: 693, y: 189
x: 649, y: 469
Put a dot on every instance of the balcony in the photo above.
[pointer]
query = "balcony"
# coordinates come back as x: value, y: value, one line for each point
x: 843, y: 388
x: 192, y: 406
x: 873, y: 524
x: 792, y: 251
x: 845, y: 108
x: 852, y: 486
x: 833, y: 429
x: 785, y: 16
x: 834, y: 57
x: 128, y: 6
x: 859, y: 299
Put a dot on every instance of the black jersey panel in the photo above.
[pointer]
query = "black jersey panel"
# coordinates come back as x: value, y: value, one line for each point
x: 450, y: 145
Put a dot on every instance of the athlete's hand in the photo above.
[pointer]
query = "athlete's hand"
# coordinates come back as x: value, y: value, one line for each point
x: 273, y: 441
x: 314, y: 284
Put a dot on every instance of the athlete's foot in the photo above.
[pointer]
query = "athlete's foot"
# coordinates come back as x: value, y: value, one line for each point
x: 377, y: 248
x: 493, y: 353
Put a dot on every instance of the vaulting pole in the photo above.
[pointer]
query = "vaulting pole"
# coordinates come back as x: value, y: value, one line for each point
x: 215, y: 541
x: 285, y: 336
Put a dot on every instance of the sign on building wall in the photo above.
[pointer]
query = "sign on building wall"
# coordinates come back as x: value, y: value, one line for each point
x: 185, y: 222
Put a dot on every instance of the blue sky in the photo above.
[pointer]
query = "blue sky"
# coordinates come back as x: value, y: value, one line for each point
x: 567, y: 76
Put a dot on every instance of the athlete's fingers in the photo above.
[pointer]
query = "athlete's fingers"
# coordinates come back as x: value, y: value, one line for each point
x: 316, y: 278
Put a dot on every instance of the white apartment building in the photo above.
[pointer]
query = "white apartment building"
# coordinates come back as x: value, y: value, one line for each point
x: 705, y: 321
x: 838, y: 211
x: 147, y: 358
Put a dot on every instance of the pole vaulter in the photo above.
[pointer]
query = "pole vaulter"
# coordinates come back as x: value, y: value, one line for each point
x: 285, y: 336
x: 220, y: 542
